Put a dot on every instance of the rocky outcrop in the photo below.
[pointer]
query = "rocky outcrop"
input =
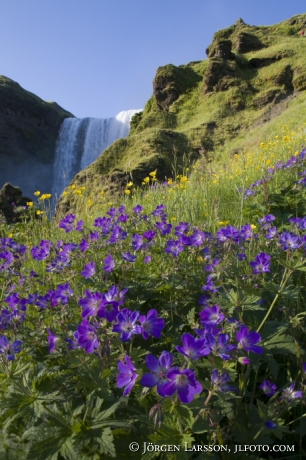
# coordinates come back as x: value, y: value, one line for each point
x: 28, y: 133
x: 170, y: 82
x: 246, y: 42
x: 11, y: 199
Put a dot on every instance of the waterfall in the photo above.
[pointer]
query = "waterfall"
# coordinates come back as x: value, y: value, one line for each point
x: 81, y: 140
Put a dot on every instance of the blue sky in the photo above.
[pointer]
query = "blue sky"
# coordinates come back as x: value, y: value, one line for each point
x: 98, y: 57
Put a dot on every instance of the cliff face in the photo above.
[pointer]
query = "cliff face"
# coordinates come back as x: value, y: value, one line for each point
x: 253, y: 76
x: 28, y: 132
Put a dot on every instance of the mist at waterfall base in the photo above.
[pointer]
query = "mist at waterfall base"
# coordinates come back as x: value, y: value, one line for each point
x: 81, y: 141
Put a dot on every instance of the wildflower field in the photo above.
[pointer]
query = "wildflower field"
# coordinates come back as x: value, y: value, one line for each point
x: 170, y: 324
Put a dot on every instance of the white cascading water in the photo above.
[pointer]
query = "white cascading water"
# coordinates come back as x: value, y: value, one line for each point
x: 81, y: 141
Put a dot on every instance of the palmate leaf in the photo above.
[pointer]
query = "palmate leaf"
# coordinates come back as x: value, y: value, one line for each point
x: 90, y: 439
x: 47, y: 441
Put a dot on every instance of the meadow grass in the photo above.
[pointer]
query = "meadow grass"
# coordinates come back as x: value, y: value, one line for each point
x: 173, y: 316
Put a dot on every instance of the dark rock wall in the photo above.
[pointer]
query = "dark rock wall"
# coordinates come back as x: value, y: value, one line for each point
x: 28, y: 131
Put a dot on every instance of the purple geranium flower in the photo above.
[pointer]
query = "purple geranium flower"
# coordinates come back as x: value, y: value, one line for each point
x: 90, y: 303
x: 270, y: 424
x: 52, y: 339
x: 211, y: 316
x: 184, y: 382
x: 268, y: 388
x: 126, y: 324
x: 127, y: 375
x: 289, y: 240
x: 220, y: 380
x: 261, y: 264
x: 248, y: 340
x: 89, y: 270
x: 159, y: 368
x: 174, y: 247
x: 109, y: 263
x: 219, y: 345
x: 151, y: 325
x: 290, y: 395
x: 128, y: 256
x: 9, y: 349
x: 209, y: 286
x: 87, y: 337
x: 193, y: 348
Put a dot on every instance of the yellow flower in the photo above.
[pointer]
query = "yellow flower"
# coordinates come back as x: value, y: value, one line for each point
x: 39, y: 212
x: 153, y: 173
x: 146, y: 180
x: 128, y: 192
x: 253, y: 226
x: 65, y: 193
x: 173, y: 218
x: 11, y: 235
x: 102, y: 192
x: 72, y: 186
x: 130, y: 184
x: 170, y: 182
x: 30, y: 203
x: 37, y: 193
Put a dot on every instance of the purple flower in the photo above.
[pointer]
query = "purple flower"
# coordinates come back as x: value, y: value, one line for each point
x: 163, y: 227
x: 109, y: 263
x: 184, y: 382
x: 67, y: 223
x: 87, y: 337
x: 138, y: 209
x: 147, y: 259
x: 151, y: 325
x: 290, y: 395
x: 126, y: 324
x: 84, y: 245
x: 270, y: 424
x: 8, y: 259
x: 261, y: 264
x: 268, y: 388
x: 272, y: 232
x: 91, y: 303
x: 220, y: 380
x: 219, y: 345
x: 174, y: 247
x: 89, y: 270
x: 211, y: 316
x: 248, y: 340
x: 193, y: 348
x: 159, y: 368
x: 137, y: 242
x: 127, y: 375
x: 197, y: 238
x: 289, y: 240
x: 182, y: 228
x: 211, y: 267
x: 149, y: 235
x: 128, y: 256
x: 266, y: 221
x: 9, y: 349
x: 52, y: 339
x: 243, y: 360
x: 209, y: 286
x: 42, y: 251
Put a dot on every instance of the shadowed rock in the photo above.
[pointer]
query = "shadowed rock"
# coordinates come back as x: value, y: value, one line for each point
x: 11, y: 198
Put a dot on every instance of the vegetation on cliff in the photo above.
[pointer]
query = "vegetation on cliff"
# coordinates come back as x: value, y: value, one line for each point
x: 252, y: 83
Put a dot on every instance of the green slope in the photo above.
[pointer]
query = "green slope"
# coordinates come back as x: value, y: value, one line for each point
x: 253, y: 81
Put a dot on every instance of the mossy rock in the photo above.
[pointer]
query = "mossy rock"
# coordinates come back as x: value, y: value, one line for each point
x: 246, y: 42
x: 299, y: 79
x: 170, y: 82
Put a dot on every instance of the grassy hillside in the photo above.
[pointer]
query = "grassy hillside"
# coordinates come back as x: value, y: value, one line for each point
x: 252, y: 83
